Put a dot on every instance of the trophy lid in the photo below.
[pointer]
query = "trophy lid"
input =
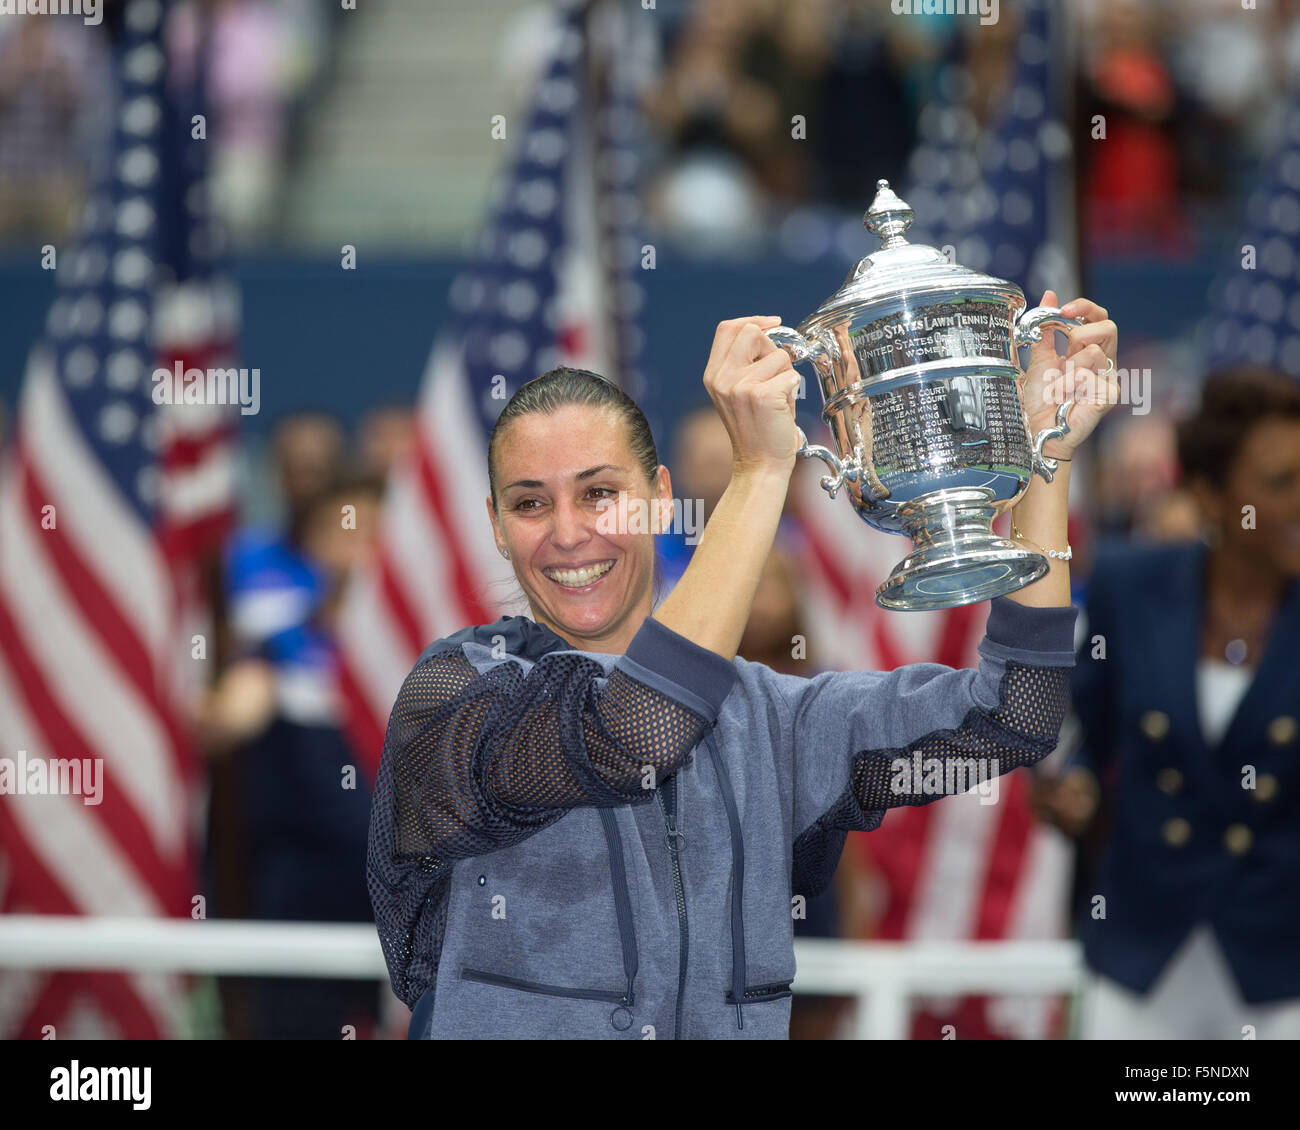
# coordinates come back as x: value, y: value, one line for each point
x: 899, y: 267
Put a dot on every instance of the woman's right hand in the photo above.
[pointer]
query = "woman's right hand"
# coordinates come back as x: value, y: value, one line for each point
x: 753, y: 384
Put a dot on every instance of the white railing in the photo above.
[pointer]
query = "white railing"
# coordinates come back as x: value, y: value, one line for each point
x: 882, y: 975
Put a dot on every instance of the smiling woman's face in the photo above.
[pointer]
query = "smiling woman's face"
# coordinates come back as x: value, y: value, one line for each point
x: 587, y: 576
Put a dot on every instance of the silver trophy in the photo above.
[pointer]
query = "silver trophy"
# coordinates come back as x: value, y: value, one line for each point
x: 916, y: 358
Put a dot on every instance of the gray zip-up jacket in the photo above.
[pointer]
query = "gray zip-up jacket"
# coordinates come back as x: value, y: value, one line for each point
x: 573, y: 844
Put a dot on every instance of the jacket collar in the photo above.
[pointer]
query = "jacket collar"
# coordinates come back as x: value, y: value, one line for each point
x: 1268, y: 689
x: 523, y: 637
x: 1182, y: 618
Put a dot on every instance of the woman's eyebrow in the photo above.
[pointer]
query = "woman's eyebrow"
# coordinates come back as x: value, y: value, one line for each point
x: 597, y: 470
x: 534, y: 484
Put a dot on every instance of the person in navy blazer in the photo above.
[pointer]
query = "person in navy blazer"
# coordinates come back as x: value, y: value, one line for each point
x: 1187, y: 691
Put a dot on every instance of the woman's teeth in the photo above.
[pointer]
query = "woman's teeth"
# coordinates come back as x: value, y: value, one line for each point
x: 576, y: 578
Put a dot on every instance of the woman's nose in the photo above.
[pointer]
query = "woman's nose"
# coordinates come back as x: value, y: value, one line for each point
x: 571, y: 527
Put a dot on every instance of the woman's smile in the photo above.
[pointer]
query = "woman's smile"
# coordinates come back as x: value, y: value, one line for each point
x: 579, y: 578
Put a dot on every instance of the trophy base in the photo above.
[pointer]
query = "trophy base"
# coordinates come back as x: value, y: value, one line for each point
x: 957, y: 558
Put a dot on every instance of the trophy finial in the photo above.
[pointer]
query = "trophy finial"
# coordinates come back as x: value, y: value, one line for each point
x: 889, y: 216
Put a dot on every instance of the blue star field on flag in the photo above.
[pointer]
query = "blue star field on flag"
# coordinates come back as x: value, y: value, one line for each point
x: 506, y: 301
x: 1255, y: 301
x: 990, y: 193
x: 98, y: 327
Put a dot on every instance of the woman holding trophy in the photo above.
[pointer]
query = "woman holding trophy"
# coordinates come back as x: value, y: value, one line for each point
x: 597, y: 821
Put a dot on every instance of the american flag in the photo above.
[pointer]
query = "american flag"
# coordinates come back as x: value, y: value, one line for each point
x: 958, y: 869
x: 104, y: 503
x: 1254, y: 312
x: 532, y: 298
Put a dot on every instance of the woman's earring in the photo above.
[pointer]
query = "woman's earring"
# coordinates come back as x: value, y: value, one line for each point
x: 506, y: 554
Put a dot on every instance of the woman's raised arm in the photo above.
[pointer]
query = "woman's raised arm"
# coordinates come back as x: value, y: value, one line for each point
x: 752, y: 383
x: 867, y: 741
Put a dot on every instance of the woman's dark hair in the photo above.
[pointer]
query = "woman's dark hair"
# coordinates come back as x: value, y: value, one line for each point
x: 1233, y: 401
x: 564, y: 386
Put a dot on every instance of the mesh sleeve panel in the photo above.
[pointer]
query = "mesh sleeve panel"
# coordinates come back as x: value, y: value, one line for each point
x: 1020, y: 731
x: 476, y: 762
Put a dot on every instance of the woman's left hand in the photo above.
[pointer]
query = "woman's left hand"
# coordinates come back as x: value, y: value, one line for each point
x: 1087, y: 375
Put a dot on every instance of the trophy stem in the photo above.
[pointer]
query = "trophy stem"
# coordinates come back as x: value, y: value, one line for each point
x: 956, y: 558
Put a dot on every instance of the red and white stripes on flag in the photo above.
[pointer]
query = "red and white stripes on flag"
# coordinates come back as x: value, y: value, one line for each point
x: 86, y: 661
x: 104, y: 504
x: 196, y: 326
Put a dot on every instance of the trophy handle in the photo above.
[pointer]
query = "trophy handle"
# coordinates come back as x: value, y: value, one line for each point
x: 1045, y: 465
x: 845, y: 472
x: 802, y: 349
x: 1029, y: 331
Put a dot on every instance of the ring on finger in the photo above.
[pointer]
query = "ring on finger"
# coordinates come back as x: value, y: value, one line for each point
x: 1109, y: 371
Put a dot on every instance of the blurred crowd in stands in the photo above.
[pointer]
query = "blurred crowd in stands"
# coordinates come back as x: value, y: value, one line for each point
x: 1189, y: 89
x: 264, y: 61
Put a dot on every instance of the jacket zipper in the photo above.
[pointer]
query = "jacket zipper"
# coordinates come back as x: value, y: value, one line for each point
x: 737, y: 994
x: 776, y: 991
x: 622, y: 901
x: 675, y: 834
x: 546, y: 990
